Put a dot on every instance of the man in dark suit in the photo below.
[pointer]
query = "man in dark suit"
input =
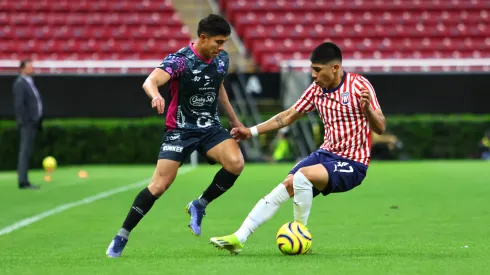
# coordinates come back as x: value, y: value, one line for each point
x: 29, y: 113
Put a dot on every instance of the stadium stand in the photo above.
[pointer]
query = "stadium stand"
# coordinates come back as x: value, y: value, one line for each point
x: 89, y: 29
x: 275, y: 30
x: 70, y: 34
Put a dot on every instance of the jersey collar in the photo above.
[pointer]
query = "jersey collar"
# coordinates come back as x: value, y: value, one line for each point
x: 325, y: 91
x: 200, y: 57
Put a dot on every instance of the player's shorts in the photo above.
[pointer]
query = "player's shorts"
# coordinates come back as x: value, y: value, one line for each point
x: 343, y: 174
x: 178, y: 145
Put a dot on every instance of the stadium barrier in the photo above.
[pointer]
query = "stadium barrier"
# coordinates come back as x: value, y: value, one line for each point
x: 113, y: 95
x: 135, y: 141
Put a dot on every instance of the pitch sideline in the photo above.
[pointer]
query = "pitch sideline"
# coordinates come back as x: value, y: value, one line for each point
x: 28, y: 221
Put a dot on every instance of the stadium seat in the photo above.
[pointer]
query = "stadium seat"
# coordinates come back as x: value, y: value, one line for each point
x: 90, y: 29
x: 273, y: 30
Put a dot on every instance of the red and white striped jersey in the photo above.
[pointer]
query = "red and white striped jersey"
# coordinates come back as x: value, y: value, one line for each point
x: 347, y: 131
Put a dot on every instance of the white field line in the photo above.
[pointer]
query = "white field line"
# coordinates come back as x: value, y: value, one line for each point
x: 28, y: 221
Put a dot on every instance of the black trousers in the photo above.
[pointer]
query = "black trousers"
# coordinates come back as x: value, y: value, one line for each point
x: 27, y: 137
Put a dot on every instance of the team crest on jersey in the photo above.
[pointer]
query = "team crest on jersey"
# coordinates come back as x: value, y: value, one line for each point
x: 345, y: 98
x: 221, y: 66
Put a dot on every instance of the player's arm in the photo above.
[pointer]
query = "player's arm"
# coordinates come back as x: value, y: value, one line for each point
x: 156, y: 79
x: 304, y: 105
x: 376, y: 119
x: 225, y: 103
x: 281, y: 120
x: 278, y: 121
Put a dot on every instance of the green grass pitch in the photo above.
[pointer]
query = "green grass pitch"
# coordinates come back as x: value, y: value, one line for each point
x: 429, y: 217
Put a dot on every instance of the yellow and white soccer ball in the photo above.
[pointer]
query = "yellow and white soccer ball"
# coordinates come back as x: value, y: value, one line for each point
x: 49, y: 164
x: 293, y: 238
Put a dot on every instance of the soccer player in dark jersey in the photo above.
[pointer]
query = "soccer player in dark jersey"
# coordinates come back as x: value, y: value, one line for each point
x: 196, y: 74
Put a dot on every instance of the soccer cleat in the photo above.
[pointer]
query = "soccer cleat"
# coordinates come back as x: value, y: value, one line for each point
x: 230, y: 243
x: 197, y: 212
x: 116, y: 247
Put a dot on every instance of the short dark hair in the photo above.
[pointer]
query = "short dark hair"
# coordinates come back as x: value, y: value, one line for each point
x: 325, y: 53
x: 24, y: 62
x: 213, y: 25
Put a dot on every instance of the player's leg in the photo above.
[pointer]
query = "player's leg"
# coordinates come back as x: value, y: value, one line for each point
x: 264, y: 210
x: 219, y: 147
x: 228, y: 154
x: 163, y: 177
x: 333, y: 175
x: 175, y: 148
x: 304, y: 181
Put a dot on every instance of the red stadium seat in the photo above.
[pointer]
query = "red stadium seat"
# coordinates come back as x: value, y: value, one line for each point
x: 271, y: 30
x: 90, y: 29
x: 363, y: 28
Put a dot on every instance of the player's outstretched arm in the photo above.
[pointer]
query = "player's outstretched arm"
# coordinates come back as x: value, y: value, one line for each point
x: 225, y: 103
x: 278, y: 121
x: 156, y: 79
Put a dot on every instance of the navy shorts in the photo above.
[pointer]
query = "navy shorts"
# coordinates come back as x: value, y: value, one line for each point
x: 179, y: 144
x: 343, y: 174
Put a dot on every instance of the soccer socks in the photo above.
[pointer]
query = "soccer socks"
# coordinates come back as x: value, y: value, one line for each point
x: 141, y: 205
x: 223, y: 181
x: 303, y: 197
x: 263, y: 211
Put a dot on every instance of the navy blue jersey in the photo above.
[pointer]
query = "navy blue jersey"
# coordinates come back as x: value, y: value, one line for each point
x: 194, y: 88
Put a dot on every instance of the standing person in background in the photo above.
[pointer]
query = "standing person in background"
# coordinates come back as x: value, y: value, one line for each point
x: 28, y: 112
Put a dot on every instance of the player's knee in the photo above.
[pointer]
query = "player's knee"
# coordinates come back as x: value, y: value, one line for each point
x: 235, y: 165
x: 159, y: 184
x: 300, y: 178
x: 302, y: 172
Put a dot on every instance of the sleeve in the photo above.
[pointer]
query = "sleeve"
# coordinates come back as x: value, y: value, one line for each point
x: 364, y: 83
x: 223, y: 63
x: 174, y: 65
x: 226, y: 65
x: 306, y: 102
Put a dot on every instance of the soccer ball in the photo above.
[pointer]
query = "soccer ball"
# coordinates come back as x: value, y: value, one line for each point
x: 49, y: 164
x: 293, y: 238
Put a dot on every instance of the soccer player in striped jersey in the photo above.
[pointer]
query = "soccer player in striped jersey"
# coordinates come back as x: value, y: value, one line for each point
x: 349, y: 109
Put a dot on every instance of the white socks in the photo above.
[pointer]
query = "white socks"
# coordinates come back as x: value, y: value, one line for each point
x: 303, y: 197
x: 262, y: 212
x: 265, y: 209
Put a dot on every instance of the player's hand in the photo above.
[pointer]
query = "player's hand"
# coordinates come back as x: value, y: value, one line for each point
x: 241, y: 133
x: 365, y: 99
x: 158, y: 103
x: 236, y: 124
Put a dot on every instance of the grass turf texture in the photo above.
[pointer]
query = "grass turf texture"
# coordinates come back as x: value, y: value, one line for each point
x: 406, y: 218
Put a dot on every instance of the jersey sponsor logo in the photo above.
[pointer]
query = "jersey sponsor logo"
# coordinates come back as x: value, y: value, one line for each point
x: 169, y: 70
x: 206, y: 99
x: 196, y: 72
x: 345, y: 98
x: 207, y: 88
x: 172, y: 137
x: 204, y: 119
x: 208, y: 80
x: 180, y: 118
x: 172, y: 148
x: 204, y: 122
x: 340, y: 167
